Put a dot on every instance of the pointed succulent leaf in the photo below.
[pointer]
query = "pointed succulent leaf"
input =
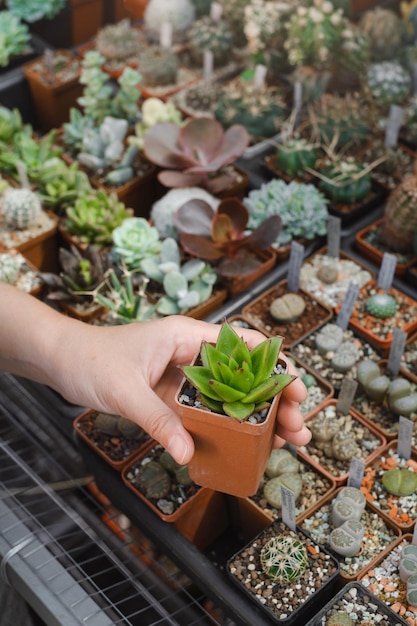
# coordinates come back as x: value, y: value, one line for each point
x: 233, y: 364
x: 226, y: 393
x: 200, y: 378
x: 195, y: 217
x: 268, y: 389
x: 211, y: 358
x: 241, y: 353
x: 242, y: 379
x: 210, y: 403
x: 226, y: 374
x: 227, y: 339
x: 265, y: 357
x: 238, y: 410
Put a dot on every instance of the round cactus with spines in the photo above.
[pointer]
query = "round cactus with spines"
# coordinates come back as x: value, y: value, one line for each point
x: 117, y: 42
x: 158, y: 66
x: 284, y: 559
x: 341, y: 119
x: 399, y: 227
x: 234, y: 14
x: 21, y: 208
x: 211, y: 35
x: 381, y: 305
x: 180, y: 14
x: 345, y: 181
x: 385, y: 32
x: 389, y: 83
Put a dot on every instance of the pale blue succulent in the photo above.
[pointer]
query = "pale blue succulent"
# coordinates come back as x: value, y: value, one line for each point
x: 302, y: 208
x: 185, y: 285
x: 34, y: 10
x: 135, y: 240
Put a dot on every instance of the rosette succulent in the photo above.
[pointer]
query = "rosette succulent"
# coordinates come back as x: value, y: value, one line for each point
x: 389, y: 83
x: 302, y: 209
x: 134, y: 240
x: 234, y: 380
x: 194, y: 154
x: 220, y: 236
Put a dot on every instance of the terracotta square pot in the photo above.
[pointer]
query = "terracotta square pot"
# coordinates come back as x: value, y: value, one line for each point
x: 230, y: 456
x: 360, y: 440
x: 380, y: 535
x: 200, y: 514
x: 314, y: 315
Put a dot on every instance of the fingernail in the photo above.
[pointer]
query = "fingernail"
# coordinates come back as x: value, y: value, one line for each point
x: 178, y: 448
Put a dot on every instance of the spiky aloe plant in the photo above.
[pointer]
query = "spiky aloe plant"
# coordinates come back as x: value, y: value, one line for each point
x: 234, y: 380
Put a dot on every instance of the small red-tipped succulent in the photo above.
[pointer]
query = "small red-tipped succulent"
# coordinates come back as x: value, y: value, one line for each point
x: 220, y: 237
x: 192, y: 155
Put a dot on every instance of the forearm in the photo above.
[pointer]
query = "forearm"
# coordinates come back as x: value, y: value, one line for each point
x: 30, y: 335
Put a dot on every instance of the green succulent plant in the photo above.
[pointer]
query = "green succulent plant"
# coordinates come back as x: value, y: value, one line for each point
x: 381, y: 305
x: 34, y: 10
x: 11, y: 123
x: 118, y: 42
x: 124, y: 299
x: 345, y: 180
x: 389, y: 83
x: 14, y: 37
x: 284, y: 559
x: 400, y: 481
x: 94, y: 217
x: 234, y: 380
x: 295, y: 154
x: 135, y: 240
x: 216, y: 36
x: 302, y: 209
x: 61, y: 184
x: 28, y: 152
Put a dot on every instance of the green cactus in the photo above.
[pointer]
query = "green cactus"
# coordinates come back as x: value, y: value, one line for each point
x: 302, y: 208
x: 345, y: 180
x: 202, y: 7
x: 202, y: 97
x: 21, y: 208
x: 94, y: 217
x: 284, y: 559
x: 389, y: 83
x: 294, y: 155
x: 399, y: 227
x: 340, y: 121
x: 234, y: 14
x: 260, y: 111
x: 118, y: 42
x: 159, y: 66
x: 381, y: 305
x: 234, y: 380
x: 124, y: 300
x: 213, y: 35
x: 385, y: 31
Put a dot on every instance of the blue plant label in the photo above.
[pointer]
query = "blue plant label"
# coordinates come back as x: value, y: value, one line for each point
x: 405, y: 435
x: 288, y: 507
x: 356, y: 472
x: 333, y: 236
x: 399, y: 337
x: 294, y: 265
x: 346, y: 308
x: 387, y: 271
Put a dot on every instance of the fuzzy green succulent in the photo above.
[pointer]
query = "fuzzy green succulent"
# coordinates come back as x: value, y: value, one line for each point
x: 234, y: 380
x: 302, y: 208
x: 284, y: 559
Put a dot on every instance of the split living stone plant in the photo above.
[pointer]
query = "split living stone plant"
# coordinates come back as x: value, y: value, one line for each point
x: 234, y: 380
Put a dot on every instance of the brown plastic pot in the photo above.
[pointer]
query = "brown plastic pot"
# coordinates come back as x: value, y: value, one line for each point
x: 230, y: 456
x: 52, y: 98
x: 341, y: 477
x: 201, y: 517
x: 117, y: 451
x: 351, y: 567
x: 375, y: 254
x: 315, y: 314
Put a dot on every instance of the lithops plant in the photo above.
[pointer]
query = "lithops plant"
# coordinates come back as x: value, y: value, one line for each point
x: 400, y: 481
x: 398, y: 393
x: 356, y: 501
x: 117, y: 426
x: 284, y: 559
x: 339, y: 618
x: 208, y: 34
x: 180, y: 14
x: 154, y: 480
x: 287, y: 308
x: 346, y: 540
x: 21, y: 208
x: 158, y: 66
x: 282, y: 469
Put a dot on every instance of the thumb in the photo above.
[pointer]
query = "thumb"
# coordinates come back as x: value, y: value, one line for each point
x: 164, y: 425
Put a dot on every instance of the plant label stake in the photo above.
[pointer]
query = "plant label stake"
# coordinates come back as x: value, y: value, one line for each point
x: 356, y: 472
x: 387, y: 271
x: 405, y: 434
x: 288, y: 507
x: 294, y: 267
x: 346, y: 395
x: 414, y: 78
x: 346, y: 308
x: 396, y: 351
x: 208, y: 66
x: 165, y: 35
x: 259, y: 77
x: 334, y: 225
x: 298, y: 101
x: 216, y: 11
x: 395, y: 121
